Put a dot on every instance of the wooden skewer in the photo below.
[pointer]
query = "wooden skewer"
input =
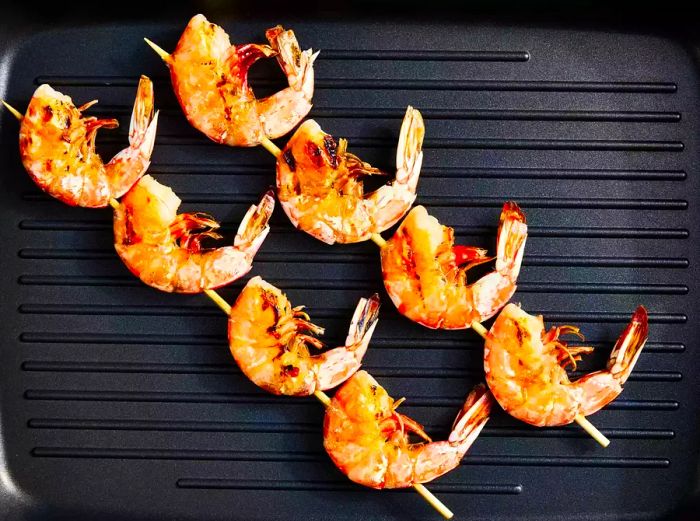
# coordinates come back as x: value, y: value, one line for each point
x: 164, y: 55
x: 378, y: 240
x: 591, y: 429
x: 481, y: 330
x: 218, y: 300
x: 16, y: 113
x: 326, y: 401
x: 271, y: 147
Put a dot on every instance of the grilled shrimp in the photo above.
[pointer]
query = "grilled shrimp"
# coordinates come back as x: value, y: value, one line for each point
x: 320, y: 188
x: 210, y: 79
x: 368, y: 440
x: 164, y: 249
x: 426, y: 275
x: 57, y: 146
x: 270, y: 341
x: 526, y: 368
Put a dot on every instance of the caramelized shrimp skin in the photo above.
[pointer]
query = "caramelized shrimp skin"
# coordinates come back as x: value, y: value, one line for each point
x: 368, y: 440
x: 271, y: 342
x: 320, y: 184
x: 425, y: 273
x: 526, y: 368
x: 210, y: 80
x: 57, y: 147
x: 163, y: 248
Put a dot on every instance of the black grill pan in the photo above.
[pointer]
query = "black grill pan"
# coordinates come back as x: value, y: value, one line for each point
x: 121, y: 402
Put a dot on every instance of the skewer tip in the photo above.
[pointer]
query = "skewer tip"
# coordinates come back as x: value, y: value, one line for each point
x: 164, y: 55
x: 592, y: 430
x: 218, y: 300
x: 434, y: 502
x: 16, y: 113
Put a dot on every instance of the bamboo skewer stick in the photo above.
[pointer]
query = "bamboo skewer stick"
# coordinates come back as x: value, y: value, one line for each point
x: 271, y: 147
x: 164, y: 55
x: 16, y: 113
x: 378, y: 240
x: 218, y: 300
x: 591, y: 429
x: 326, y: 401
x: 481, y: 330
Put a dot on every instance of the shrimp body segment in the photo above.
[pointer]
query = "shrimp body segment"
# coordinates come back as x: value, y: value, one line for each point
x: 271, y: 342
x: 425, y: 274
x: 163, y: 248
x: 368, y: 440
x: 526, y: 368
x: 57, y: 147
x: 320, y: 188
x: 210, y: 79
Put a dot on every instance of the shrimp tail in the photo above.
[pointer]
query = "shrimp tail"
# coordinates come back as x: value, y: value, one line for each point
x: 142, y: 129
x: 362, y: 325
x: 297, y: 65
x: 510, y: 244
x: 409, y: 153
x: 629, y: 346
x: 254, y: 227
x: 472, y: 418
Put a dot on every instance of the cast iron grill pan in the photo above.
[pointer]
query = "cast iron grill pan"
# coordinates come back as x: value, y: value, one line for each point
x: 122, y: 402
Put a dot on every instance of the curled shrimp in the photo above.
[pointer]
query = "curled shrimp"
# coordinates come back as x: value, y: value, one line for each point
x: 57, y: 146
x: 526, y: 368
x: 320, y: 188
x: 270, y: 341
x: 425, y: 274
x: 210, y: 79
x: 368, y: 440
x: 163, y: 248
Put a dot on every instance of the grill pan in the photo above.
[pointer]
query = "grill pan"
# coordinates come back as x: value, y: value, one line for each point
x: 121, y: 402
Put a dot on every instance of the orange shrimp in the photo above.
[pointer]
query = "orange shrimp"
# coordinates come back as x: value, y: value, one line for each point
x: 210, y: 79
x: 525, y: 368
x: 270, y: 341
x: 164, y: 250
x: 320, y: 188
x: 369, y: 441
x: 57, y: 146
x: 426, y: 275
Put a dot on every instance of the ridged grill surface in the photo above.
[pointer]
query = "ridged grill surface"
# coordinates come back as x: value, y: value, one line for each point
x: 119, y: 400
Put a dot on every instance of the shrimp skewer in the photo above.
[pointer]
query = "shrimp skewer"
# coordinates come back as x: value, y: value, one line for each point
x: 57, y: 147
x: 320, y: 187
x: 425, y: 274
x: 164, y: 249
x: 326, y: 401
x: 270, y: 342
x: 210, y: 79
x: 526, y: 369
x: 368, y: 440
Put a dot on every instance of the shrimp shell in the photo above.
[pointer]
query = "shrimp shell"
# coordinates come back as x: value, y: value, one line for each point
x: 369, y: 441
x: 210, y: 79
x: 270, y: 341
x: 525, y: 368
x: 164, y: 249
x: 57, y: 146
